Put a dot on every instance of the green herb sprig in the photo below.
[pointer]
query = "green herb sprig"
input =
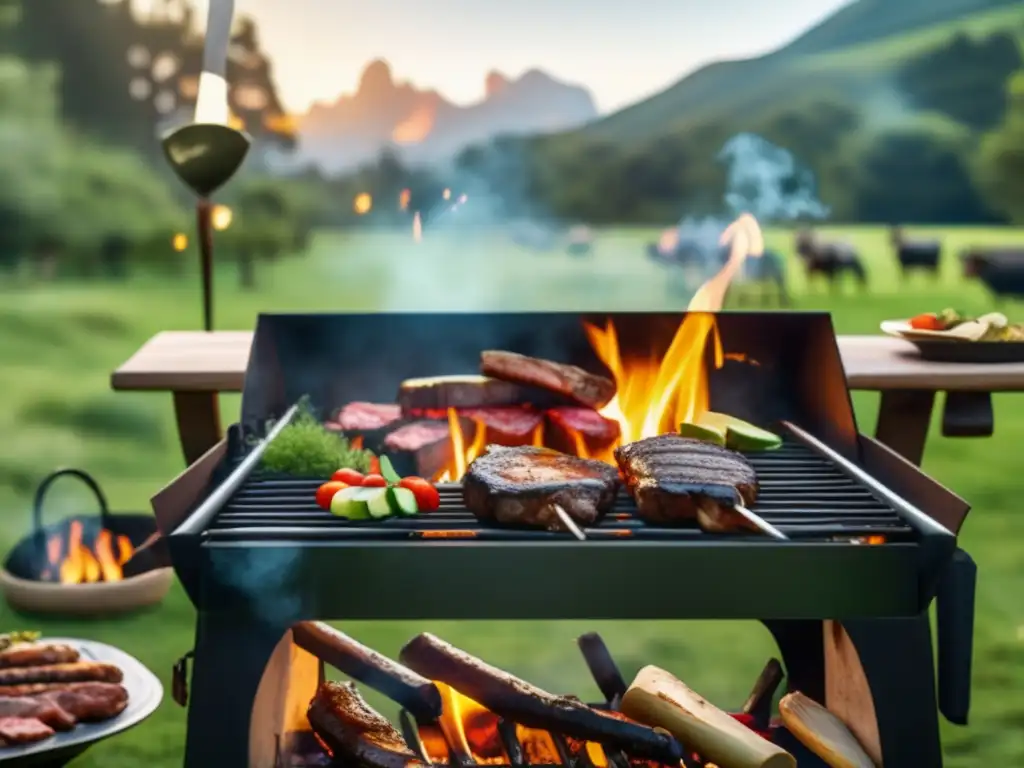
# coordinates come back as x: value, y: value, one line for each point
x: 306, y: 449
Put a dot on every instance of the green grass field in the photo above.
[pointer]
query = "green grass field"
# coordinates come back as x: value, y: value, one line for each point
x: 59, y: 343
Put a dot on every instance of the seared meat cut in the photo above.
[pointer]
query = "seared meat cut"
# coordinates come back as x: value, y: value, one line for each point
x: 442, y: 392
x: 506, y: 426
x: 581, y: 386
x: 44, y: 711
x: 417, y: 436
x: 355, y: 733
x: 37, y: 655
x: 23, y: 730
x: 520, y: 486
x: 674, y: 479
x: 88, y: 702
x: 77, y: 672
x: 567, y: 427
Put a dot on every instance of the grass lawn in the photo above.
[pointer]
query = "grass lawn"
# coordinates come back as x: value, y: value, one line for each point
x: 59, y: 343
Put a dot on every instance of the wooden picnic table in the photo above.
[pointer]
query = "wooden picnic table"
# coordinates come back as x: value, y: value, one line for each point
x: 196, y: 366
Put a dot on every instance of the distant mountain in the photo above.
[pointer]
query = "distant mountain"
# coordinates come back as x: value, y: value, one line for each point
x: 425, y: 127
x: 853, y: 53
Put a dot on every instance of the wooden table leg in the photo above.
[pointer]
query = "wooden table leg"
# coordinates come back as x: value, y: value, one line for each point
x: 198, y: 416
x: 903, y: 421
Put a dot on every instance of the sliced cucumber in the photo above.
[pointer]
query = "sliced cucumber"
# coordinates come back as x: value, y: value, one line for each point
x: 403, y: 501
x: 351, y: 503
x: 387, y: 470
x: 377, y: 503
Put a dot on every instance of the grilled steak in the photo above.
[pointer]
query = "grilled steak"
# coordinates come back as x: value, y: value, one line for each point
x: 575, y: 383
x: 44, y: 711
x: 31, y: 689
x: 23, y: 730
x: 674, y: 479
x: 37, y: 655
x: 520, y: 486
x: 355, y: 733
x: 77, y: 672
x: 442, y: 392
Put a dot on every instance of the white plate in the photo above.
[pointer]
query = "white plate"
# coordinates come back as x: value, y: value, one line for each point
x: 901, y: 329
x: 144, y: 695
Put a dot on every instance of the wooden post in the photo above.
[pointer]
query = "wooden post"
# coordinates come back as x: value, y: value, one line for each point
x: 204, y: 223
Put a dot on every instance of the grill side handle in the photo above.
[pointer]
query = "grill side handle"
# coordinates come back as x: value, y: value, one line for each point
x: 955, y: 630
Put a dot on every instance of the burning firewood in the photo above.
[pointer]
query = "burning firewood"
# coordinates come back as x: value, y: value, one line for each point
x: 660, y: 700
x: 508, y: 696
x: 603, y: 668
x: 417, y: 694
x: 354, y: 732
x: 822, y: 732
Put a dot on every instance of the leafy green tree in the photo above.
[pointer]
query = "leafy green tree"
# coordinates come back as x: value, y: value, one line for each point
x: 999, y: 162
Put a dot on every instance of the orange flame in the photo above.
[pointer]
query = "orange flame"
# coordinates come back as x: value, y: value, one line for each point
x: 468, y: 731
x: 70, y: 561
x: 403, y: 199
x: 655, y: 394
x: 463, y: 452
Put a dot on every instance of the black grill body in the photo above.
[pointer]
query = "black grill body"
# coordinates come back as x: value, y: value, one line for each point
x: 257, y: 555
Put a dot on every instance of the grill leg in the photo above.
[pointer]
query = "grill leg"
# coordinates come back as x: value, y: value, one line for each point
x: 884, y: 668
x: 231, y: 653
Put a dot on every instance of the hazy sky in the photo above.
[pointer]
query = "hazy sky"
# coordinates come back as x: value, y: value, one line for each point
x: 621, y: 49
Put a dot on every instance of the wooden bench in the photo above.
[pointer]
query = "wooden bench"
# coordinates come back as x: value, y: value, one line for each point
x: 196, y: 366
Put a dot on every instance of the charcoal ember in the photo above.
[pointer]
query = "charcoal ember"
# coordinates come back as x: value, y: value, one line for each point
x: 563, y: 427
x: 506, y: 426
x: 422, y: 448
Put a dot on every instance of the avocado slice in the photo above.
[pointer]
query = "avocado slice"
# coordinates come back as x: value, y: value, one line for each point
x: 740, y: 435
x: 706, y: 433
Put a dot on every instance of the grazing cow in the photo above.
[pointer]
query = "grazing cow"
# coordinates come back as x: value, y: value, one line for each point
x: 830, y: 259
x: 922, y: 255
x: 768, y: 274
x: 1001, y: 270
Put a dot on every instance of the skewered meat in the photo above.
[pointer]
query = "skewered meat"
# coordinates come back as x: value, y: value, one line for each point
x: 37, y: 655
x: 23, y: 730
x: 355, y: 733
x: 77, y: 672
x: 442, y: 392
x: 521, y: 486
x: 581, y: 386
x: 675, y: 479
x: 45, y: 711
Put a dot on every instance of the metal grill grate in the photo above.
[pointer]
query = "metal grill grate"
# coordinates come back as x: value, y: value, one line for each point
x: 802, y: 493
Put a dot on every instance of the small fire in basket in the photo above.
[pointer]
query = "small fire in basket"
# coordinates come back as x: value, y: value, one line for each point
x: 70, y: 560
x: 652, y: 396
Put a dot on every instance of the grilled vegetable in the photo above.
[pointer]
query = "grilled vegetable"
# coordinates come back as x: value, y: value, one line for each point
x: 351, y: 503
x: 10, y: 638
x: 374, y: 481
x: 403, y: 501
x: 377, y: 503
x: 427, y: 497
x: 728, y: 431
x: 348, y: 476
x: 927, y: 322
x: 326, y: 492
x: 388, y: 471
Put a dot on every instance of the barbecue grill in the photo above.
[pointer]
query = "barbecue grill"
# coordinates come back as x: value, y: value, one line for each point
x: 872, y: 540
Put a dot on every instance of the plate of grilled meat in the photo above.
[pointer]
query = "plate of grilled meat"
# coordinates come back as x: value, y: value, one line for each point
x: 60, y: 695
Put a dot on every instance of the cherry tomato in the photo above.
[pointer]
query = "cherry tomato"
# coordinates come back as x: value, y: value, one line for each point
x: 374, y: 466
x: 348, y: 477
x: 374, y: 481
x: 926, y: 322
x: 326, y: 492
x: 427, y: 497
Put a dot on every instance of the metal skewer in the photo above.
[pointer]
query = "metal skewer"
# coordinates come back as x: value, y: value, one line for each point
x: 569, y: 523
x: 762, y: 525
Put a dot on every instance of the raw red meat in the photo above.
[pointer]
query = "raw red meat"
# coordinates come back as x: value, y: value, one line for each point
x: 23, y: 730
x: 416, y: 436
x: 506, y: 426
x: 356, y: 417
